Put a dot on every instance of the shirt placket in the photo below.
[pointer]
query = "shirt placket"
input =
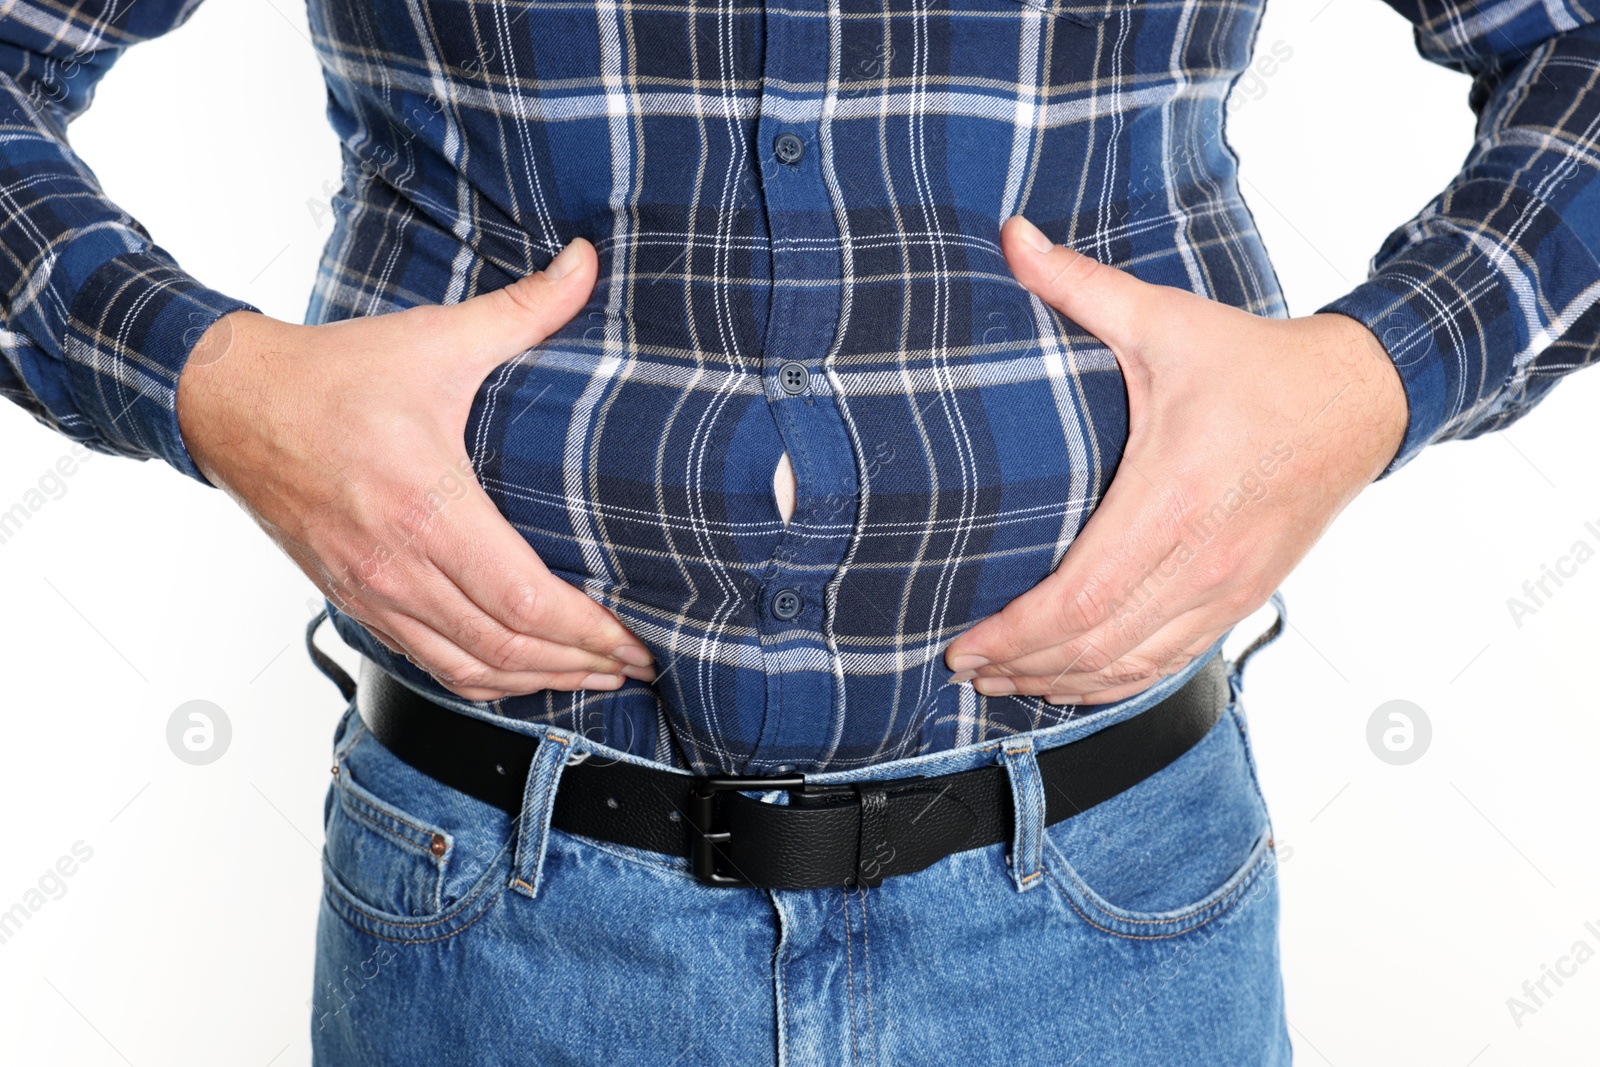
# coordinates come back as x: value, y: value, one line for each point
x: 808, y: 290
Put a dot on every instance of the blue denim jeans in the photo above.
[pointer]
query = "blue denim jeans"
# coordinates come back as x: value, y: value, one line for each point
x: 1143, y: 931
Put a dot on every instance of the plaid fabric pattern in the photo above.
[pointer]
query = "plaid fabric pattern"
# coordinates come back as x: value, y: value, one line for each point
x: 1487, y: 297
x: 846, y: 303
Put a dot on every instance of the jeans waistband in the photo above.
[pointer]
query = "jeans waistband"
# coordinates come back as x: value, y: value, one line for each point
x: 929, y: 764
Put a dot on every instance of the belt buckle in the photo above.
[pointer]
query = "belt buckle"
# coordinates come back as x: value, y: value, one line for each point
x: 704, y: 837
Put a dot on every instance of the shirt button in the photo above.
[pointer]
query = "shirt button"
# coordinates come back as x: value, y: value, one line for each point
x: 788, y: 148
x: 786, y: 604
x: 794, y: 378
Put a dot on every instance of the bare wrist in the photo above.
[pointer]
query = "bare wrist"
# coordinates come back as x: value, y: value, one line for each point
x: 1370, y: 385
x: 209, y: 383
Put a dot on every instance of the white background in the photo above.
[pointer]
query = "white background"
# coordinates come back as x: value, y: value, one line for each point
x: 1417, y: 899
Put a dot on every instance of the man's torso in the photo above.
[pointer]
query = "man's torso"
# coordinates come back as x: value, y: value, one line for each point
x: 797, y: 212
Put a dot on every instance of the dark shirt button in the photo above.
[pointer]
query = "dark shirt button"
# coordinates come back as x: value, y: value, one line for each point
x: 786, y: 604
x: 794, y: 377
x: 788, y: 148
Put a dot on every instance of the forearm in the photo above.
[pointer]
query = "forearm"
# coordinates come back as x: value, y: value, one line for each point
x: 1487, y: 297
x: 99, y: 321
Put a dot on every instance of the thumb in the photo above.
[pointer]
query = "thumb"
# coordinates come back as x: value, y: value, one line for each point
x: 1105, y: 301
x: 502, y: 324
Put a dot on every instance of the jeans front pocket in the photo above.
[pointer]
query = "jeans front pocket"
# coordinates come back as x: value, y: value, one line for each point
x: 407, y: 857
x: 1173, y: 853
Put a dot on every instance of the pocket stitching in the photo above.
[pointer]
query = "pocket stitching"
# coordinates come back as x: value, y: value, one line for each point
x: 358, y: 730
x: 1257, y: 853
x: 1223, y: 901
x: 360, y: 808
x: 390, y: 925
x: 368, y: 813
x: 350, y: 806
x: 343, y: 901
x: 1138, y: 937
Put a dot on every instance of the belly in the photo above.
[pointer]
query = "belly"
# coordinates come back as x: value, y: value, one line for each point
x: 841, y: 301
x: 943, y: 434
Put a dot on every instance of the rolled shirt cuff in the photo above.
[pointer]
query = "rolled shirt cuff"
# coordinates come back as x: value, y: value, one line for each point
x: 1450, y: 326
x: 132, y: 324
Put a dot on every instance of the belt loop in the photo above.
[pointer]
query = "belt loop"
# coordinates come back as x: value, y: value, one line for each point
x: 1267, y: 636
x: 538, y: 801
x: 324, y: 662
x: 1027, y: 796
x: 873, y: 850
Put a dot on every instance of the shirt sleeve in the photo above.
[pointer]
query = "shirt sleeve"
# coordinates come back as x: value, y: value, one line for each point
x: 96, y: 321
x: 1488, y: 296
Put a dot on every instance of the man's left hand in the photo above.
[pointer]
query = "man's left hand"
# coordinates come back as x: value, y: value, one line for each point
x: 1246, y: 437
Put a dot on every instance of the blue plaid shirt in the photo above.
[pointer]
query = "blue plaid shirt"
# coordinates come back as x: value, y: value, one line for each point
x: 796, y: 208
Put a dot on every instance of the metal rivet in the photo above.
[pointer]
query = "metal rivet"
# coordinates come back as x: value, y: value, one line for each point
x: 794, y: 378
x: 611, y: 802
x: 335, y: 770
x: 788, y: 148
x: 438, y: 846
x: 499, y: 768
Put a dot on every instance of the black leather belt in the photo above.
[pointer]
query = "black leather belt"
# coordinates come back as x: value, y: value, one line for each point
x: 827, y: 835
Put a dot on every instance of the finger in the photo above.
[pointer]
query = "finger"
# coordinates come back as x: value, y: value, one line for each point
x: 1111, y: 696
x: 550, y: 679
x: 1114, y: 588
x: 1105, y: 575
x: 410, y: 583
x: 504, y: 323
x: 385, y: 638
x: 1145, y: 612
x: 432, y: 598
x: 1141, y: 665
x: 1166, y: 652
x: 467, y: 676
x: 1107, y: 696
x: 1212, y: 612
x: 1107, y: 302
x: 498, y: 572
x: 339, y: 595
x: 392, y: 620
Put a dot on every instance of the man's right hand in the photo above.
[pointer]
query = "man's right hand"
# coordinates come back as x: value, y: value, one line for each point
x: 345, y: 443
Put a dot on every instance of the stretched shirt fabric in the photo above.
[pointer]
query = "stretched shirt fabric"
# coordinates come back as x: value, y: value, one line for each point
x: 797, y: 208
